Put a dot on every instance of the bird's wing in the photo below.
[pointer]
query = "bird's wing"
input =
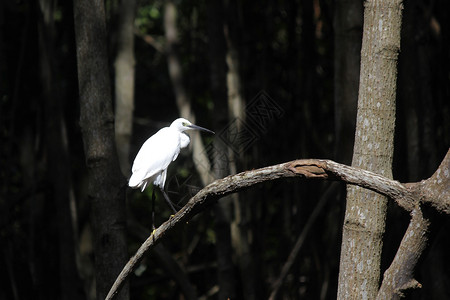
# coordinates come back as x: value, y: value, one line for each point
x: 155, y: 155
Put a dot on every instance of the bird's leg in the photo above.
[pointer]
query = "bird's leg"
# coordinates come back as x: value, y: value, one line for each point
x: 153, y: 211
x: 168, y: 201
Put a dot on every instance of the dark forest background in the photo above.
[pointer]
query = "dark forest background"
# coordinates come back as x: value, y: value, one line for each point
x: 295, y: 60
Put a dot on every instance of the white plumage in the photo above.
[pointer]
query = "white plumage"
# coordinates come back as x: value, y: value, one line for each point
x: 155, y: 155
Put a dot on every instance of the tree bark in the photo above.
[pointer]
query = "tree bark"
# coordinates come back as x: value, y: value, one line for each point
x: 366, y: 211
x: 106, y: 188
x: 124, y: 83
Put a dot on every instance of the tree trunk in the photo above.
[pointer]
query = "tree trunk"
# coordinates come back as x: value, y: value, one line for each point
x: 106, y: 188
x: 199, y: 154
x: 348, y: 22
x: 223, y: 210
x: 240, y: 228
x: 58, y: 172
x: 374, y: 144
x: 124, y: 83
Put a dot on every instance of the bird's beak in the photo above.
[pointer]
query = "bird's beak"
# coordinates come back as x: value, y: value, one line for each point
x: 192, y: 126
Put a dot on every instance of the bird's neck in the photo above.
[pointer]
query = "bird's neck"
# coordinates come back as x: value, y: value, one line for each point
x: 184, y: 140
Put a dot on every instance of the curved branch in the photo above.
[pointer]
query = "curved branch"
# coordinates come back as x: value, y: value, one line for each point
x: 306, y: 168
x: 436, y: 189
x: 393, y: 189
x: 400, y: 274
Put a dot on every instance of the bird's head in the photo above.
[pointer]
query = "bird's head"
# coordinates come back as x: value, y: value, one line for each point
x: 182, y: 125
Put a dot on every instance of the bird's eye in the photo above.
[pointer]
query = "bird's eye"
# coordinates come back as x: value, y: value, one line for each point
x: 184, y: 124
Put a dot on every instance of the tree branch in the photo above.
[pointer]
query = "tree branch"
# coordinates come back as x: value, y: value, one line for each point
x: 436, y: 191
x: 399, y: 276
x: 370, y: 180
x: 403, y: 194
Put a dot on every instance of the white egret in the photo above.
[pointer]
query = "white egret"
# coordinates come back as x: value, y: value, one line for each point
x: 158, y: 151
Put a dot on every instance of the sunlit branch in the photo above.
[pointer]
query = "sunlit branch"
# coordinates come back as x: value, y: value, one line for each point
x: 407, y: 196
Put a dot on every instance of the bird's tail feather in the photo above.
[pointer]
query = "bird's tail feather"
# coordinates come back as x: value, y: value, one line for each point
x: 134, y: 182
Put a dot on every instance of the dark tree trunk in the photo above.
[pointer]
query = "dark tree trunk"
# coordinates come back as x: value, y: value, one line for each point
x: 124, y: 83
x: 57, y: 154
x: 418, y: 111
x: 199, y: 155
x: 236, y: 112
x: 106, y: 188
x: 218, y: 69
x: 416, y: 96
x: 348, y: 22
x: 308, y: 64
